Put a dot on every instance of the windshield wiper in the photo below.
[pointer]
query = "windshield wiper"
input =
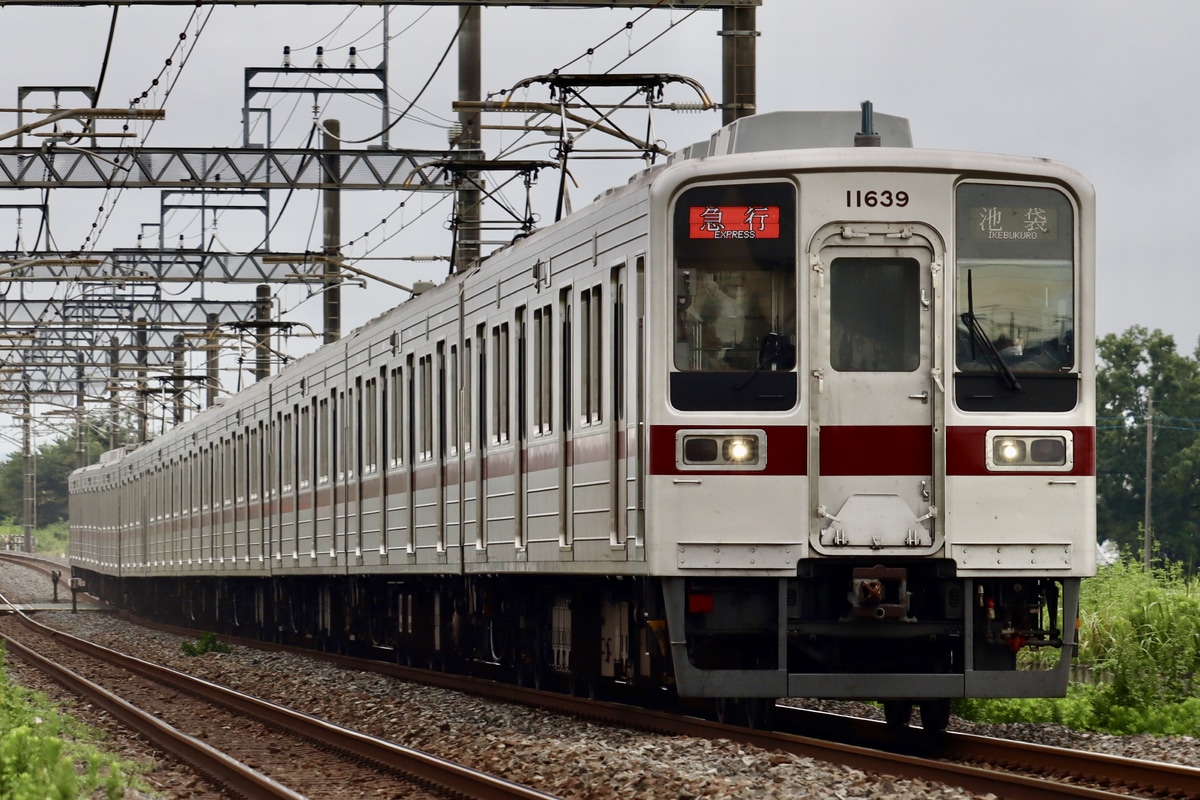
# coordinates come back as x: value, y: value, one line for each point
x: 773, y: 349
x: 979, y: 336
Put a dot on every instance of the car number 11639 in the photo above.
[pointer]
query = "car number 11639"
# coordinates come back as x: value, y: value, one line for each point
x: 857, y: 198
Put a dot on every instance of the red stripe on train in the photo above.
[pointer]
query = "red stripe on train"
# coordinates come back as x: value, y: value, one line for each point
x: 966, y: 450
x: 876, y: 450
x: 850, y: 450
x: 787, y: 449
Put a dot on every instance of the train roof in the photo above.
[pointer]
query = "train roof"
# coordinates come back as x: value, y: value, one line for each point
x: 797, y: 130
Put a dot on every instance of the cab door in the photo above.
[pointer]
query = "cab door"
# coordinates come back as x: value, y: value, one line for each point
x: 876, y: 390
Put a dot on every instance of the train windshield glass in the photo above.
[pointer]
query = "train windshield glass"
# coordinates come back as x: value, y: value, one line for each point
x: 874, y: 318
x: 735, y: 278
x: 1014, y: 306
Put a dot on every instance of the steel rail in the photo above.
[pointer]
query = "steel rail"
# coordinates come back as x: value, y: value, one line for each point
x: 446, y: 775
x: 30, y: 561
x: 217, y: 766
x: 1154, y: 778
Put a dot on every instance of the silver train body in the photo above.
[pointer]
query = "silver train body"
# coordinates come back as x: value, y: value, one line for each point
x: 781, y: 417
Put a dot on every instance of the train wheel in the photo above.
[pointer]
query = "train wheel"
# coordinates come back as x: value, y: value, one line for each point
x: 897, y: 713
x: 760, y: 712
x: 526, y: 673
x: 935, y: 715
x: 541, y: 677
x: 582, y: 686
x: 726, y: 709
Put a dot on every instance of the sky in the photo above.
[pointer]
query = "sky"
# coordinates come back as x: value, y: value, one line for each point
x: 1086, y: 82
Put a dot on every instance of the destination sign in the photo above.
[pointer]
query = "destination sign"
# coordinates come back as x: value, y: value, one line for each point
x: 1029, y: 223
x: 733, y: 222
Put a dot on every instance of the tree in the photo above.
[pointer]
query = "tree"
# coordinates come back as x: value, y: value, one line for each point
x: 1131, y: 365
x: 54, y: 462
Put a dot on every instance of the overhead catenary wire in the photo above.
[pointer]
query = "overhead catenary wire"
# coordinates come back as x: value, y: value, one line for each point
x: 403, y: 114
x: 166, y: 80
x: 102, y: 216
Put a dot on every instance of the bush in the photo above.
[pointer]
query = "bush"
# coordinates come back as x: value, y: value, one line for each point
x: 55, y: 539
x: 1142, y: 632
x: 207, y: 644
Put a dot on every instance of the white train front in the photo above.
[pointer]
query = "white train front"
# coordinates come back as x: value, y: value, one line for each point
x: 783, y: 417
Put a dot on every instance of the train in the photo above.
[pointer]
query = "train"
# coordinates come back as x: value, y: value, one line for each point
x: 802, y: 411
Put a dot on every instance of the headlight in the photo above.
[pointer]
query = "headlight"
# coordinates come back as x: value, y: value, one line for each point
x: 1009, y: 451
x: 721, y: 449
x: 740, y: 451
x: 699, y: 450
x: 1030, y: 450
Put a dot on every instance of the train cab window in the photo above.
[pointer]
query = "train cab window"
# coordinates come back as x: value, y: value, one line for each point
x: 734, y: 333
x: 1015, y: 299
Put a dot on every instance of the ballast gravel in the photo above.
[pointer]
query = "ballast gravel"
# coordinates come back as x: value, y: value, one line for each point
x: 556, y: 754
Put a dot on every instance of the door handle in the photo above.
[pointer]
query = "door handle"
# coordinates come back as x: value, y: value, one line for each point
x: 923, y: 397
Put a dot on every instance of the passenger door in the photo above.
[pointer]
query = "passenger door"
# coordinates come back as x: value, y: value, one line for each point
x: 875, y: 390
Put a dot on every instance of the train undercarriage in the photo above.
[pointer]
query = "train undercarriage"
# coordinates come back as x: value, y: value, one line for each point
x: 906, y: 634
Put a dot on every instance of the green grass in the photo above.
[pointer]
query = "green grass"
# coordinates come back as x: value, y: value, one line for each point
x: 52, y: 540
x: 47, y: 755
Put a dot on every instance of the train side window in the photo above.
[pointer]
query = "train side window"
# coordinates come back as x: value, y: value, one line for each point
x: 591, y: 353
x: 254, y: 464
x: 239, y: 469
x: 500, y: 383
x: 345, y: 435
x: 370, y: 426
x: 1015, y: 298
x: 304, y: 448
x: 618, y: 344
x: 425, y: 421
x: 568, y: 362
x: 396, y: 417
x: 450, y: 416
x: 481, y: 402
x: 874, y: 317
x: 323, y: 443
x: 288, y: 448
x: 227, y: 483
x: 440, y: 401
x: 543, y: 341
x: 468, y: 421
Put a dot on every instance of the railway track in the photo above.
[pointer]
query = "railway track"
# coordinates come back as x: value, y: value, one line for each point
x: 248, y: 747
x: 29, y: 561
x: 978, y: 764
x: 1005, y: 768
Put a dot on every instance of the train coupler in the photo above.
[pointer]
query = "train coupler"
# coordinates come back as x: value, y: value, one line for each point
x: 879, y: 593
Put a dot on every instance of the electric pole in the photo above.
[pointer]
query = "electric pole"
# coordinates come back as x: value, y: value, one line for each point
x: 1146, y: 527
